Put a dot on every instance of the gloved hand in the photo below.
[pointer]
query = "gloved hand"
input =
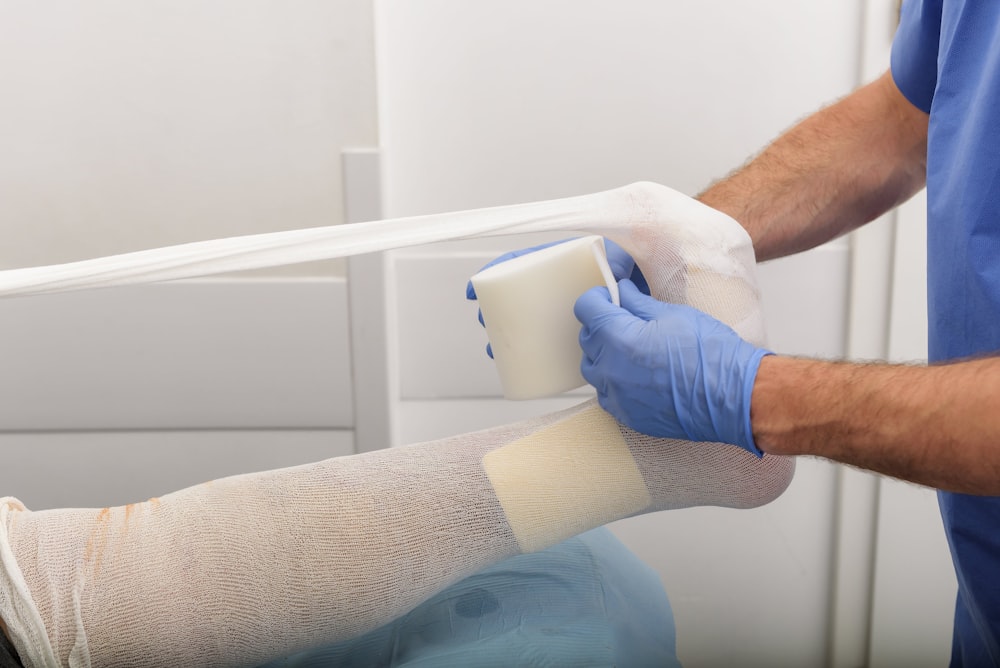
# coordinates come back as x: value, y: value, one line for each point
x: 621, y: 263
x: 667, y: 370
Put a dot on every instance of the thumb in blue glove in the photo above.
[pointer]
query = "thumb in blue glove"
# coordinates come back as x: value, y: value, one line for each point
x: 667, y: 370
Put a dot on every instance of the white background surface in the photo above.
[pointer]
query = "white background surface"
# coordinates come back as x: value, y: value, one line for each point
x: 125, y: 126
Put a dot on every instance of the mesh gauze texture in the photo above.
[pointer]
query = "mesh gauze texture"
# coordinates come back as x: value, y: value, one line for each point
x: 244, y: 569
x: 240, y: 570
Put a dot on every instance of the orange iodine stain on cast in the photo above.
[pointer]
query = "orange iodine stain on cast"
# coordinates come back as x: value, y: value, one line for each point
x: 98, y: 538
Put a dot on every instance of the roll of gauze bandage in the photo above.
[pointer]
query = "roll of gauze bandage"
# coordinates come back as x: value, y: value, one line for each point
x: 527, y: 305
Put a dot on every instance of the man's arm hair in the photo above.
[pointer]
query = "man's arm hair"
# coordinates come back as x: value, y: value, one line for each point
x: 834, y: 171
x: 936, y: 425
x: 838, y: 169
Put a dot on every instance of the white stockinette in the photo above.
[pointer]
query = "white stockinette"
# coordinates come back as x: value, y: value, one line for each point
x: 252, y: 567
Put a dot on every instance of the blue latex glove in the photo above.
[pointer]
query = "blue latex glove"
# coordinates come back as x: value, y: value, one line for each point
x: 667, y: 370
x: 621, y: 263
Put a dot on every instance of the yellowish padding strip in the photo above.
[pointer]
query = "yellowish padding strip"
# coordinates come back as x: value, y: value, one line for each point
x: 566, y: 478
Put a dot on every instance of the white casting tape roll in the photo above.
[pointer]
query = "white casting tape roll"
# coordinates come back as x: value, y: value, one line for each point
x: 527, y: 306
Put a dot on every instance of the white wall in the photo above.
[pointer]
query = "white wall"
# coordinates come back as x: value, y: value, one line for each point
x: 479, y: 100
x: 131, y: 125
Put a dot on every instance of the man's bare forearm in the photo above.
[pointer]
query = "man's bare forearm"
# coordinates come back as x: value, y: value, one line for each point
x: 934, y: 425
x: 836, y: 170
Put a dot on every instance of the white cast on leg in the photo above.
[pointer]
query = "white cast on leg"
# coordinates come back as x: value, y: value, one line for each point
x: 240, y: 570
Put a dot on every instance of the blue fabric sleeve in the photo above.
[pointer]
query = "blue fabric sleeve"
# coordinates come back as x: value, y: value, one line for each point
x: 915, y: 51
x: 588, y: 601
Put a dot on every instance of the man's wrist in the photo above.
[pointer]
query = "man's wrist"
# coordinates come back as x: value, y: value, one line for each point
x: 773, y: 404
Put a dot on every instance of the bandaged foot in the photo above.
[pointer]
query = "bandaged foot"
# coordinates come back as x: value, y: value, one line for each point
x: 241, y: 570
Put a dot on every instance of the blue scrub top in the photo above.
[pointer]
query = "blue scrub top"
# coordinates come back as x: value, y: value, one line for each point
x: 946, y: 61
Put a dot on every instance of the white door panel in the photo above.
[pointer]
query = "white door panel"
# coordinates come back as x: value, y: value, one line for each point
x: 97, y: 469
x: 219, y: 354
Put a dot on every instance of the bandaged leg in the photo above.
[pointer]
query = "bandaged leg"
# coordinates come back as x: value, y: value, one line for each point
x: 244, y: 569
x: 241, y: 570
